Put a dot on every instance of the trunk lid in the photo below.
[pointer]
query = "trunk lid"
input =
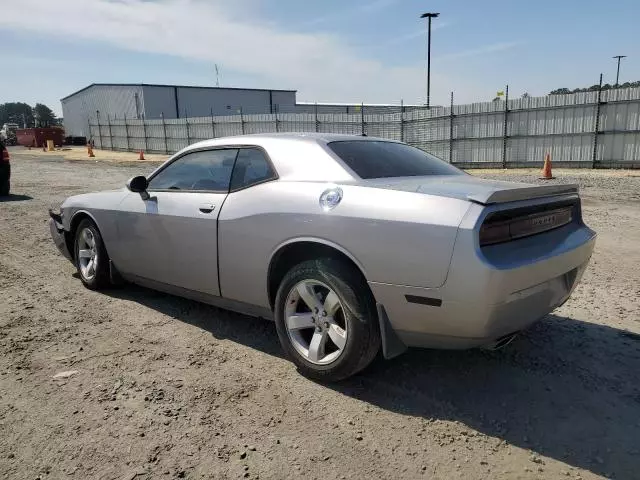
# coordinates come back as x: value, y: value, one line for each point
x: 470, y: 188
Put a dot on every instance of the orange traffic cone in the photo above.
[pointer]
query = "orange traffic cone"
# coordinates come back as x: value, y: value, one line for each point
x: 546, y: 170
x: 90, y: 151
x: 141, y: 156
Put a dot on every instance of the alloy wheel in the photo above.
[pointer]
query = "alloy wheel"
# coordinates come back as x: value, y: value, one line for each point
x: 315, y: 322
x: 87, y: 254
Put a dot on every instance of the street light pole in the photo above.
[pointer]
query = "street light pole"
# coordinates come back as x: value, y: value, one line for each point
x: 429, y: 16
x: 619, y: 57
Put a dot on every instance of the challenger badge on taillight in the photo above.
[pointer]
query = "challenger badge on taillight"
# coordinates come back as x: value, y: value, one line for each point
x: 500, y: 231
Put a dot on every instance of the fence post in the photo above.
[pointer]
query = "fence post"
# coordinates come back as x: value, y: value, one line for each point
x: 277, y: 123
x: 597, y: 126
x: 362, y: 118
x: 89, y: 132
x: 144, y: 132
x: 213, y: 125
x: 241, y: 120
x: 451, y: 130
x: 110, y: 136
x: 186, y: 122
x: 505, y: 133
x: 126, y: 132
x: 317, y: 121
x: 164, y: 134
x: 99, y: 129
x: 402, y: 120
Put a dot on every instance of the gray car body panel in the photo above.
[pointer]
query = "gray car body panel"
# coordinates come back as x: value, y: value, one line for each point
x: 409, y: 237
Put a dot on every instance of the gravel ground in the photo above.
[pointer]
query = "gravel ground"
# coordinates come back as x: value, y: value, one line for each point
x: 169, y: 388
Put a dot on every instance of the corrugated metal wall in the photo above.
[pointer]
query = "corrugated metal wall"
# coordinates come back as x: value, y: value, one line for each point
x: 470, y: 135
x: 111, y: 101
x: 154, y: 101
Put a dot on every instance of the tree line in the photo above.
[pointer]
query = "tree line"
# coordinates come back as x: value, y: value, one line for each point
x: 593, y: 88
x: 27, y: 116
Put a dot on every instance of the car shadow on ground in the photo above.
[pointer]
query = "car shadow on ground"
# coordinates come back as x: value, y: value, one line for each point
x: 567, y: 389
x: 12, y: 197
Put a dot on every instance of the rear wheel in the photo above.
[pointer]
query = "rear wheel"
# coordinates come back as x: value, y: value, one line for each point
x: 91, y: 256
x: 326, y: 319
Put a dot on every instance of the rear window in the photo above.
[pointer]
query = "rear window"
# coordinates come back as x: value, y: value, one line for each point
x: 373, y: 159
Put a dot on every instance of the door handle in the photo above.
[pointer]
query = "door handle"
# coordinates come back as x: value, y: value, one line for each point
x: 207, y: 208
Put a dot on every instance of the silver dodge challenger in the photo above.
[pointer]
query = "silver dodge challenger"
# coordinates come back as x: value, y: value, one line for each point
x: 350, y: 244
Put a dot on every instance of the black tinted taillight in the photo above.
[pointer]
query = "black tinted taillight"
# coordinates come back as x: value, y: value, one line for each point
x: 498, y: 229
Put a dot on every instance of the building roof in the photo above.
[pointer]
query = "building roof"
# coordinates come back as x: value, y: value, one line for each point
x: 172, y: 86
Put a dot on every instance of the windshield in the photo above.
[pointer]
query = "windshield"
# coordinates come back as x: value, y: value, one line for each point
x: 380, y: 159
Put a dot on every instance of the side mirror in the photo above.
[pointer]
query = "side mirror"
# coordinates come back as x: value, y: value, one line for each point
x: 138, y: 184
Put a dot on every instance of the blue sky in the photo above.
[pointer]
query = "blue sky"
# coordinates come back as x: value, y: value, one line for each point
x: 371, y: 51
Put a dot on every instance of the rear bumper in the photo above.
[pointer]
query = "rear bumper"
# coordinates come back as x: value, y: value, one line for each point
x: 483, y: 301
x: 58, y: 235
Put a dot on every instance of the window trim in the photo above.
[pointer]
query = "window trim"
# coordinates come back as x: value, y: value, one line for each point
x: 237, y: 147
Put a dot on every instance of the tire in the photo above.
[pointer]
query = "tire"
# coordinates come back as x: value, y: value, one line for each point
x: 94, y: 277
x: 356, y: 316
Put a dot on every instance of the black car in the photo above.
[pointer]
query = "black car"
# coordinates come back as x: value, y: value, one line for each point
x: 5, y: 170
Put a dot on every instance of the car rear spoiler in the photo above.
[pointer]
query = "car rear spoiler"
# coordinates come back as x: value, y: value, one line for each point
x: 521, y: 193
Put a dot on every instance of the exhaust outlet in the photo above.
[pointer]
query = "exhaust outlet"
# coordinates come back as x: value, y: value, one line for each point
x: 501, y: 342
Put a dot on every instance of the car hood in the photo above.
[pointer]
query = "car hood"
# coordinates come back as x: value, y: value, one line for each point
x: 98, y: 200
x: 470, y: 188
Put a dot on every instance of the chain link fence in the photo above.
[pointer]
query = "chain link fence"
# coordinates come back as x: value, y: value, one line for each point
x: 599, y: 129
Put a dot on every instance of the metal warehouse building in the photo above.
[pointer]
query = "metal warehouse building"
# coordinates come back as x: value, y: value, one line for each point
x: 109, y: 101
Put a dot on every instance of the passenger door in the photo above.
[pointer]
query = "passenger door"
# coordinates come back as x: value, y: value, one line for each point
x: 171, y: 237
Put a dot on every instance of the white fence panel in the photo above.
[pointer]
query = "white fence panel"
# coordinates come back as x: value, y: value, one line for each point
x: 468, y: 135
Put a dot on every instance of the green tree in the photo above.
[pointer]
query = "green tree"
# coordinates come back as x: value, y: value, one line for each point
x: 560, y: 91
x: 593, y: 88
x: 16, y: 112
x: 44, y: 116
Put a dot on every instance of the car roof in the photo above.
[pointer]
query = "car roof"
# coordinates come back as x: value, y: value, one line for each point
x: 259, y: 138
x: 296, y: 156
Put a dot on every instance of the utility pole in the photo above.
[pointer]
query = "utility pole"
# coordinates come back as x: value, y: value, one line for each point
x: 429, y: 16
x: 619, y: 57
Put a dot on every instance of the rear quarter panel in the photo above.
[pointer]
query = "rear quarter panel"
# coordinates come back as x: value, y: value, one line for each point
x: 395, y: 237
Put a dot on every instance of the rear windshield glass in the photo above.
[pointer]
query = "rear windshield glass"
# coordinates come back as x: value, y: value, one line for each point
x: 373, y: 159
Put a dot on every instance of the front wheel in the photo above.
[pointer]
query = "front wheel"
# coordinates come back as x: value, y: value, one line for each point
x: 326, y: 319
x: 92, y: 260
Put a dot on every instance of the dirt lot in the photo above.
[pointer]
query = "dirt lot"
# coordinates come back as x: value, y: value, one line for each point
x: 169, y: 388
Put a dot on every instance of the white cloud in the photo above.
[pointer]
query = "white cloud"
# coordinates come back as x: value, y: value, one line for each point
x: 363, y: 9
x: 482, y: 50
x: 321, y: 66
x: 413, y: 35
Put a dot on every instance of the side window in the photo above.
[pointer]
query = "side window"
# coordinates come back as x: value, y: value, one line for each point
x: 251, y: 167
x: 206, y: 170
